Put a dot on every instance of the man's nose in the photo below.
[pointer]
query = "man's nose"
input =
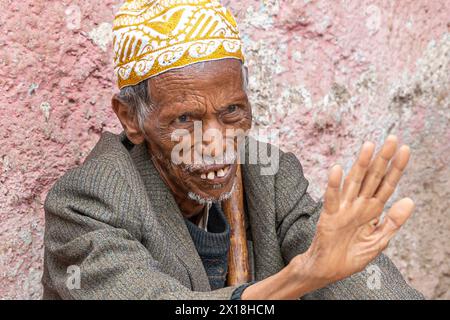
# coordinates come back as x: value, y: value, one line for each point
x: 213, y: 144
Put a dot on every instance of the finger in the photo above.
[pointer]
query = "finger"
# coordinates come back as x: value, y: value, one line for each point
x: 332, y: 194
x: 390, y: 181
x: 378, y: 167
x: 394, y: 219
x: 352, y: 183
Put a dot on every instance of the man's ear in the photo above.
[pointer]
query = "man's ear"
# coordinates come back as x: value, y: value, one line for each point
x: 128, y: 121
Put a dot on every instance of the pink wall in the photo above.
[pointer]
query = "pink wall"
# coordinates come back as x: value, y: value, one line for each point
x: 327, y: 74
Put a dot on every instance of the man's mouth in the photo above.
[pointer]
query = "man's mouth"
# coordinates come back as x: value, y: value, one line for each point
x: 213, y: 174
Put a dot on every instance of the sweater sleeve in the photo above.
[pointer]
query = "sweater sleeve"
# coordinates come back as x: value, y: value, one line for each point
x: 237, y: 293
x: 297, y: 216
x: 85, y: 229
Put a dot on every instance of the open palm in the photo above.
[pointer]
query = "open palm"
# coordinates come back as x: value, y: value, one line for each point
x: 349, y: 233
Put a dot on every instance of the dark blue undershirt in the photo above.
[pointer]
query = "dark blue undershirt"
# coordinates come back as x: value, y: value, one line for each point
x: 212, y: 247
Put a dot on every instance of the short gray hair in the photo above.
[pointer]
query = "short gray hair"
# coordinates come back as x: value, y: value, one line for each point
x: 138, y: 97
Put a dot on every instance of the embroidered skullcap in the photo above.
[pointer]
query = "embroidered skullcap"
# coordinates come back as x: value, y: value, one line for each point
x: 151, y: 37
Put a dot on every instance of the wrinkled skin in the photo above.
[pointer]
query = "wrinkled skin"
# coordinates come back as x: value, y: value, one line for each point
x: 212, y: 93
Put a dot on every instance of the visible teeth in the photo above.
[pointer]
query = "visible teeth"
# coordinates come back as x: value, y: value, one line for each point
x: 203, y: 176
x: 211, y: 175
x: 220, y: 173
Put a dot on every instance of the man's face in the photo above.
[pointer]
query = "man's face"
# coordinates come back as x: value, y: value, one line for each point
x: 212, y: 96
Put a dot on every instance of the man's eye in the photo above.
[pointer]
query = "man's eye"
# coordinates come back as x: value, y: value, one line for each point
x: 232, y: 108
x: 183, y: 118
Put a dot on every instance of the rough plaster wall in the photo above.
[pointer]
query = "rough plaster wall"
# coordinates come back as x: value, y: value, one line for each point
x: 326, y: 74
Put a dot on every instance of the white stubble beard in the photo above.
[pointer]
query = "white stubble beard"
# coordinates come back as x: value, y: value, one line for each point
x: 207, y: 201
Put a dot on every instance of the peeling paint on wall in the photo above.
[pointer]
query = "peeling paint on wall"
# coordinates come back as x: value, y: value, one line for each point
x: 102, y: 35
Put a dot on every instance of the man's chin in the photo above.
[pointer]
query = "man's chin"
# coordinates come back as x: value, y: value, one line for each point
x: 203, y: 197
x: 209, y: 191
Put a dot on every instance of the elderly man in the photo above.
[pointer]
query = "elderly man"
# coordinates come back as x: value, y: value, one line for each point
x: 134, y: 222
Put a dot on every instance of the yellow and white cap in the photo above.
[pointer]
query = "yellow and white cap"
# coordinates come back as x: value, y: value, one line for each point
x: 151, y: 37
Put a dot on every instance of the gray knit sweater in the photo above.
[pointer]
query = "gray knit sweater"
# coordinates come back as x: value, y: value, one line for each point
x: 115, y: 221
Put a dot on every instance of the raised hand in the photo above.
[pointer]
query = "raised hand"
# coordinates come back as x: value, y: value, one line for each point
x: 349, y: 234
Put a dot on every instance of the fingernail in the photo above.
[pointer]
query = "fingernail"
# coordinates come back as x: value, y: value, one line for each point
x: 368, y: 144
x: 405, y: 147
x: 391, y: 137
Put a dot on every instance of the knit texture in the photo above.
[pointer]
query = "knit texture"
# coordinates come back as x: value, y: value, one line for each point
x: 213, y: 245
x: 115, y: 219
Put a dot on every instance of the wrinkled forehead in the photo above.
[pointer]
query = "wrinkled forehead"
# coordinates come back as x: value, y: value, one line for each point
x: 219, y: 79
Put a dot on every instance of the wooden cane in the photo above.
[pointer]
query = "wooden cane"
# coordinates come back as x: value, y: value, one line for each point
x: 238, y: 265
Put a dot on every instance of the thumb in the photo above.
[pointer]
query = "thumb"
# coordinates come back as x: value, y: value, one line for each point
x: 396, y: 217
